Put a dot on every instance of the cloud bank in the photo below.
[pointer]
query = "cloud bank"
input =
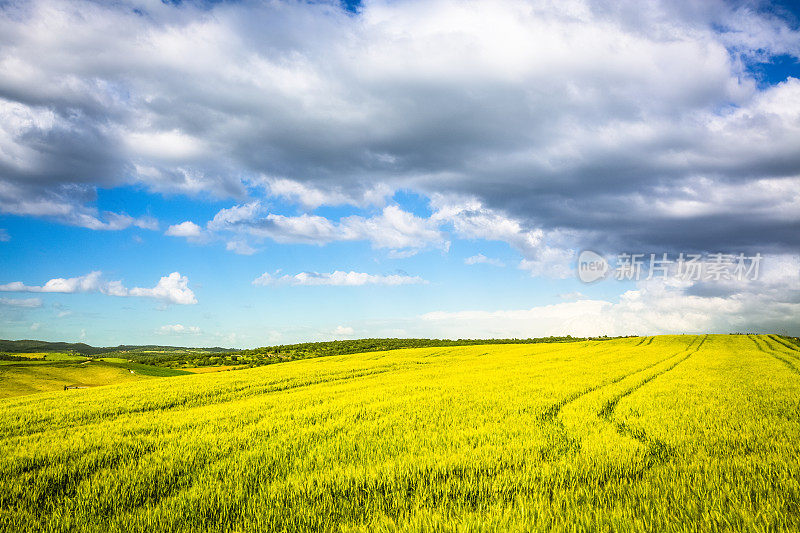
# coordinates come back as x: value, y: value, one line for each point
x: 657, y: 306
x: 173, y: 288
x: 569, y: 117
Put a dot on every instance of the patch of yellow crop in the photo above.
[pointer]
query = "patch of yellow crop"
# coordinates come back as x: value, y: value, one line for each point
x: 24, y: 378
x: 668, y: 433
x: 209, y: 369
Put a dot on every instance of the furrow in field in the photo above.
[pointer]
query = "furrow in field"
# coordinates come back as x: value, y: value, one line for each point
x: 765, y: 348
x: 552, y: 412
x: 788, y: 348
x: 788, y: 344
x: 77, y: 419
x: 658, y: 451
x: 65, y: 484
x: 589, y: 420
x: 608, y: 408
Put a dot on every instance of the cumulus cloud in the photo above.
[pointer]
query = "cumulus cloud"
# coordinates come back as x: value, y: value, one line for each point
x: 173, y: 288
x: 170, y: 289
x: 657, y: 306
x: 337, y: 278
x: 551, y: 262
x: 471, y: 220
x: 185, y: 229
x: 91, y: 282
x: 544, y: 253
x: 311, y: 197
x: 564, y: 116
x: 393, y: 228
x: 178, y: 329
x: 552, y: 126
x: 191, y: 232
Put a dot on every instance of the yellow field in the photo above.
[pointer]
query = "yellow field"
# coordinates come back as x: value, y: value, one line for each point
x: 672, y: 433
x: 26, y: 378
x: 209, y: 369
x: 57, y: 371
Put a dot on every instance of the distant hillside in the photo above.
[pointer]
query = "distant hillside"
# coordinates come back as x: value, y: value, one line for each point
x: 181, y: 357
x: 33, y: 346
x: 290, y: 352
x: 319, y: 349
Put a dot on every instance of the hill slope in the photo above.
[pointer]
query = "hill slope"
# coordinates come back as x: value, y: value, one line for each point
x: 32, y: 346
x: 55, y: 372
x: 665, y: 433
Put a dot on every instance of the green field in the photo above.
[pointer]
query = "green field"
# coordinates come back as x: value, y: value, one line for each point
x: 668, y: 433
x: 55, y: 371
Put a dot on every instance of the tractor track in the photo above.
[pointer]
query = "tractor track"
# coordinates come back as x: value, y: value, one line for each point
x: 767, y: 349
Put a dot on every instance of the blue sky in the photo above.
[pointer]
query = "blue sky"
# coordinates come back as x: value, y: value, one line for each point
x: 240, y: 174
x: 230, y: 308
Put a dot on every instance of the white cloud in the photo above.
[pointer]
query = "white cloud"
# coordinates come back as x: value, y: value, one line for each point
x: 566, y: 124
x: 237, y: 215
x: 393, y: 228
x: 312, y: 197
x: 337, y: 278
x: 343, y: 331
x: 191, y: 232
x: 655, y: 307
x: 403, y: 233
x: 240, y: 247
x: 115, y: 222
x: 544, y: 254
x: 185, y: 229
x: 173, y: 288
x: 481, y: 259
x: 178, y: 329
x: 64, y: 205
x: 170, y: 289
x: 4, y: 236
x: 528, y: 107
x: 471, y: 220
x: 21, y: 302
x: 550, y: 262
x: 89, y: 283
x: 171, y: 145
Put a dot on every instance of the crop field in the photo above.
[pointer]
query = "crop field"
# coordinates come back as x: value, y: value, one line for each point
x: 53, y: 372
x: 667, y: 433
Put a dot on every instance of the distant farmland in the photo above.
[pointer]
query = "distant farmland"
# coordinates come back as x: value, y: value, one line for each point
x: 678, y: 433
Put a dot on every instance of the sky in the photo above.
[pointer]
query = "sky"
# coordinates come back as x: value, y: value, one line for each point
x: 244, y: 174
